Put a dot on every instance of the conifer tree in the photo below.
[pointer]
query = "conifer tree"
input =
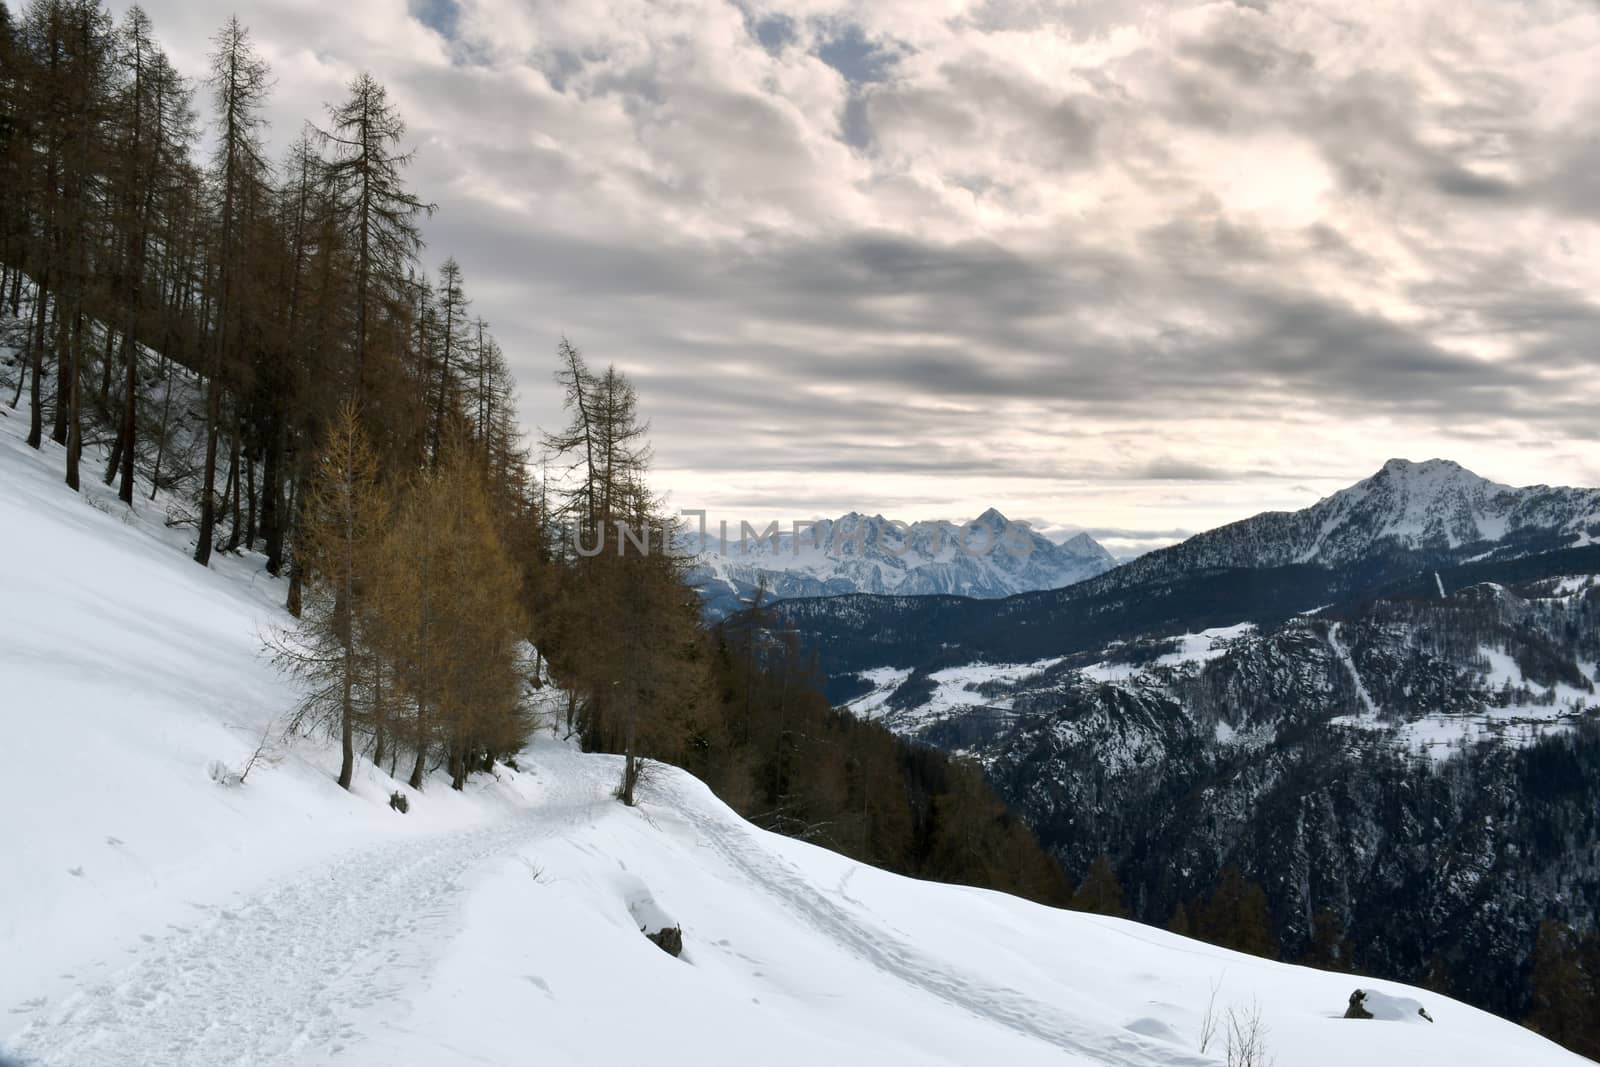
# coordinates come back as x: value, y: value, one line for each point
x: 239, y: 81
x: 1329, y: 948
x: 448, y: 351
x: 1100, y: 892
x: 453, y: 622
x: 1236, y: 916
x: 344, y: 513
x: 377, y: 217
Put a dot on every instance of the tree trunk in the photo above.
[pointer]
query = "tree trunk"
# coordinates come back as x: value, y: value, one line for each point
x: 130, y: 424
x: 58, y: 428
x: 296, y: 571
x: 630, y: 767
x: 417, y: 768
x: 161, y: 441
x: 208, y: 483
x: 105, y: 371
x: 75, y: 406
x: 379, y: 716
x: 271, y: 490
x: 250, y: 502
x: 230, y: 494
x: 347, y: 745
x: 115, y: 462
x: 35, y: 393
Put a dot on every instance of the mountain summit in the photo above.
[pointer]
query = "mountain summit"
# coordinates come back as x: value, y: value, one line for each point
x: 1429, y: 513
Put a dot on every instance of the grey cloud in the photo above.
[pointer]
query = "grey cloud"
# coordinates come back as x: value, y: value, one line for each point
x: 1172, y: 469
x: 676, y: 212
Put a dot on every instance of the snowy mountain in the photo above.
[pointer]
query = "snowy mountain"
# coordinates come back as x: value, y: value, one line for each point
x: 1343, y: 702
x: 1405, y: 520
x: 986, y: 558
x: 1426, y: 513
x: 160, y: 912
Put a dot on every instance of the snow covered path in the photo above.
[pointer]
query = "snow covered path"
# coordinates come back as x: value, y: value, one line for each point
x: 285, y: 973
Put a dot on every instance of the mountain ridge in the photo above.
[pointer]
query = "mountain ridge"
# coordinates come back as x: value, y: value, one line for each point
x: 1434, y: 507
x: 987, y: 558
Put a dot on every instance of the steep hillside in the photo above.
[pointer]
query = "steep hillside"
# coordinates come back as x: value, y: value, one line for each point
x: 166, y: 913
x: 1418, y: 771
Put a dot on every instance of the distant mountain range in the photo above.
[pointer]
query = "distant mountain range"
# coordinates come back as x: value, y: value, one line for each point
x: 987, y: 558
x: 1384, y: 708
x: 1407, y: 519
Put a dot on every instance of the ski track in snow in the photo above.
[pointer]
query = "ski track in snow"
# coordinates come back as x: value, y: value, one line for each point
x: 1350, y: 665
x: 1001, y: 1005
x: 283, y: 974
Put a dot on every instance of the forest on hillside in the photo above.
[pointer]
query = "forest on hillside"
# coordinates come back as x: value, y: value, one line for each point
x: 257, y: 346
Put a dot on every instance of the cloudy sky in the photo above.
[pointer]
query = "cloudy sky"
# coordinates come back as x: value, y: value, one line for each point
x: 1134, y: 268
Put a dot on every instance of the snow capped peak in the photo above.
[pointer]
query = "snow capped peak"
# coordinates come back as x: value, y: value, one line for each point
x: 1428, y: 476
x: 1408, y: 466
x: 1434, y: 507
x: 988, y: 557
x: 1084, y: 545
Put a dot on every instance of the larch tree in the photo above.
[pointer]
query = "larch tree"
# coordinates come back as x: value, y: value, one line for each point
x: 1100, y: 892
x: 378, y: 219
x: 448, y: 351
x: 344, y: 516
x: 452, y: 620
x: 155, y: 127
x: 239, y: 82
x: 1236, y: 916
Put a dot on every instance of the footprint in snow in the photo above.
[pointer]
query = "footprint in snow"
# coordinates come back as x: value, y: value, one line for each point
x: 539, y: 983
x: 76, y: 872
x: 113, y: 841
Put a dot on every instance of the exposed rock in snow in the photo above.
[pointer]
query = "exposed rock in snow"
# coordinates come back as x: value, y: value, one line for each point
x: 1371, y: 1004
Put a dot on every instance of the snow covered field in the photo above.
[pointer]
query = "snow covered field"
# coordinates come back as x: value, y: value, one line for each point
x: 149, y: 915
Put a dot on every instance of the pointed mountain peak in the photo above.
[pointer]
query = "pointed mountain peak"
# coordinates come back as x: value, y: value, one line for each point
x: 1084, y: 545
x: 992, y: 517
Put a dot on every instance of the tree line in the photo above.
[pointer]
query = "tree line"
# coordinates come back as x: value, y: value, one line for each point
x: 257, y: 344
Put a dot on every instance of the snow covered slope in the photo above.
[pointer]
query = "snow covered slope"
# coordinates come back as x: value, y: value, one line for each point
x: 1436, y: 510
x: 152, y: 916
x: 990, y: 557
